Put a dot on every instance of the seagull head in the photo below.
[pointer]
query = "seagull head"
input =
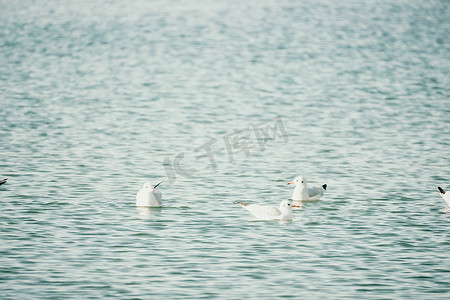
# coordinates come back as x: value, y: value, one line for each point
x: 148, y: 186
x: 287, y: 204
x: 299, y: 180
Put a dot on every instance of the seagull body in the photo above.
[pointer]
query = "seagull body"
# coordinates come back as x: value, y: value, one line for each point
x: 303, y: 193
x: 445, y: 195
x: 266, y: 212
x: 148, y: 196
x: 2, y: 181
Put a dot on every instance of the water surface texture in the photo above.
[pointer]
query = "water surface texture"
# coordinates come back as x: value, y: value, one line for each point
x: 97, y: 97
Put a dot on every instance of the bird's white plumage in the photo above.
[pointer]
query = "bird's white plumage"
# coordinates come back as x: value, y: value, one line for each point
x: 266, y: 212
x: 303, y: 193
x: 445, y: 195
x: 149, y: 196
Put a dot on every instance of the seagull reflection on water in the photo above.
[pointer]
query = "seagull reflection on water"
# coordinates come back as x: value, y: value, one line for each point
x: 147, y: 212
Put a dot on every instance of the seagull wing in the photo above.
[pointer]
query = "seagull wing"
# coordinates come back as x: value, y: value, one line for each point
x: 263, y: 212
x: 315, y: 193
x: 158, y: 196
x: 445, y: 195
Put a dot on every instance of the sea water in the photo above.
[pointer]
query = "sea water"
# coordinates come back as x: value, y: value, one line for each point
x: 225, y: 101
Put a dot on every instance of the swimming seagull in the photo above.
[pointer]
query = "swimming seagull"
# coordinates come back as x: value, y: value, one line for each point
x: 148, y: 196
x: 266, y: 212
x: 2, y: 181
x: 445, y: 195
x: 303, y: 193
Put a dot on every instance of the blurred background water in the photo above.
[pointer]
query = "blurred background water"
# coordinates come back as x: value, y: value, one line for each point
x: 96, y: 95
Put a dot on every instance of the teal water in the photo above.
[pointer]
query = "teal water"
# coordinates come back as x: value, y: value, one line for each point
x: 96, y: 95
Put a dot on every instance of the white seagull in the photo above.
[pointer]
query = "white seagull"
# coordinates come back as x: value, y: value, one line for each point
x: 445, y: 195
x: 2, y: 181
x: 148, y: 196
x: 303, y: 193
x: 266, y: 212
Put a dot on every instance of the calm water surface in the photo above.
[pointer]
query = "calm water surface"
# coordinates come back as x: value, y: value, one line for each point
x: 96, y: 95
